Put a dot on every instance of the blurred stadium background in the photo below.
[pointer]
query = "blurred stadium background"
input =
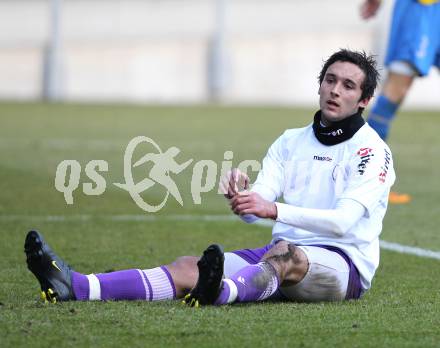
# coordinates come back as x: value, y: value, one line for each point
x: 170, y: 51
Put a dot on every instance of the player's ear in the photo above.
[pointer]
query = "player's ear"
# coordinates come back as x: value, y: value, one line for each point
x: 364, y: 102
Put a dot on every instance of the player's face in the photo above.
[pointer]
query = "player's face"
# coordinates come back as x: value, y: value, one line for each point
x: 340, y: 92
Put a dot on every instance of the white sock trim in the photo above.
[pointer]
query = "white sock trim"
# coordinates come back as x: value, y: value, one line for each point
x: 94, y: 288
x: 233, y: 291
x: 160, y: 284
x: 147, y: 292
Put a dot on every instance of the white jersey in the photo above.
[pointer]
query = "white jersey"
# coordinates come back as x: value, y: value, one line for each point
x: 306, y: 173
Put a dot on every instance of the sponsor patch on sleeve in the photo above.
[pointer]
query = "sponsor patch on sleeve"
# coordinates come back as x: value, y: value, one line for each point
x: 365, y: 154
x: 384, y: 168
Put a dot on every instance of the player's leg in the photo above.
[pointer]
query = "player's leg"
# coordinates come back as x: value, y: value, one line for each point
x: 331, y: 276
x: 59, y: 282
x: 283, y: 264
x: 165, y: 282
x: 396, y: 86
x: 411, y: 51
x: 395, y: 89
x: 399, y: 80
x: 299, y: 273
x: 214, y: 265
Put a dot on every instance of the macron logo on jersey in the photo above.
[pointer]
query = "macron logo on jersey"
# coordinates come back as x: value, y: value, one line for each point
x: 322, y: 158
x: 335, y: 133
x: 365, y: 154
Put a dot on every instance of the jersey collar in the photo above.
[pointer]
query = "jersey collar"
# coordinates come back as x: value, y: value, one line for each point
x: 338, y: 132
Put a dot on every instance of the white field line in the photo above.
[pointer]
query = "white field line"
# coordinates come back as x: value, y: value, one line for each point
x: 404, y: 249
x: 182, y: 217
x: 116, y: 145
x: 128, y: 217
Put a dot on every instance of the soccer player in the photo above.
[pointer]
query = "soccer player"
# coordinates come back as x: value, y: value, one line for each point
x: 334, y: 176
x: 413, y: 47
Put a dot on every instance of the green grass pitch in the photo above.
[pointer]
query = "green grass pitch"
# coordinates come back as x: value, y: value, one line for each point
x: 401, y: 310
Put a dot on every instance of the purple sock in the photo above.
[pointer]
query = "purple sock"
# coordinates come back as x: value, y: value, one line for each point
x: 251, y: 283
x: 151, y: 285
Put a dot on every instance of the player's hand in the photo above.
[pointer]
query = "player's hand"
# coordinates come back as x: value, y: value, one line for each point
x: 252, y: 203
x: 369, y: 8
x: 232, y: 182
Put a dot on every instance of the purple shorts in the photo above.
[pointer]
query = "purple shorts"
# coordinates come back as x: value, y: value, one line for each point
x: 354, y: 288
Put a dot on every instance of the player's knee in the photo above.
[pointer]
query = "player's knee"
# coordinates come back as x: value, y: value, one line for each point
x: 290, y: 261
x: 186, y: 265
x: 184, y: 273
x: 397, y: 86
x: 283, y: 252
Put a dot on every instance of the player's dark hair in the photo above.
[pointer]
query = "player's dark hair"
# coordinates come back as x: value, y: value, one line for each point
x: 365, y: 62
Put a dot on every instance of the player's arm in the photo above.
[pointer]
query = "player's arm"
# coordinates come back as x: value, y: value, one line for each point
x: 231, y: 184
x: 268, y: 185
x: 370, y: 178
x: 371, y: 175
x: 335, y: 222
